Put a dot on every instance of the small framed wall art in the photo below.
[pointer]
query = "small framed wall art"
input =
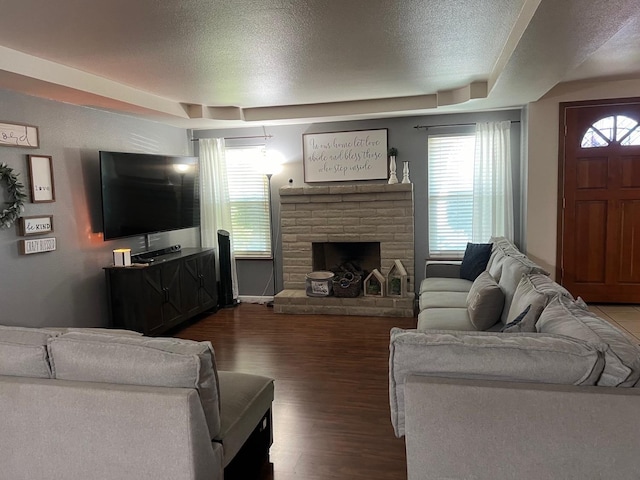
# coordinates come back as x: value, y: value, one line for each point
x: 41, y: 179
x: 18, y: 135
x: 35, y: 225
x: 36, y: 245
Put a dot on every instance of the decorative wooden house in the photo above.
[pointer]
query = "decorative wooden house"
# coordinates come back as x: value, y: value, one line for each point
x: 374, y: 284
x: 397, y: 280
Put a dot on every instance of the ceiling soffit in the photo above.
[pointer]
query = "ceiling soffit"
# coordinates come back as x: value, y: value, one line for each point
x: 195, y: 63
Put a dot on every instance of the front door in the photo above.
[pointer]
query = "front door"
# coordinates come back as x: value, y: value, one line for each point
x: 599, y: 218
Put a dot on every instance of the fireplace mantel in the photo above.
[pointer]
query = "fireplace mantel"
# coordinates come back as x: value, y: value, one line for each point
x: 345, y: 213
x: 368, y: 188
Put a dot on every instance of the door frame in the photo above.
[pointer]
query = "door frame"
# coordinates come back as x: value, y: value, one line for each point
x: 563, y: 107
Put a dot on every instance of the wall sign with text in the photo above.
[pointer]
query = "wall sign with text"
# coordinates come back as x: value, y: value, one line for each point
x: 18, y: 135
x: 36, y: 225
x: 37, y: 245
x: 345, y: 156
x: 41, y: 179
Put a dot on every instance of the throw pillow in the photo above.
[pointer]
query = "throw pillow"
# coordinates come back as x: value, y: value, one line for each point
x: 484, y: 301
x: 474, y: 262
x: 622, y: 356
x: 535, y: 290
x: 501, y: 249
x: 582, y: 304
x: 525, y: 322
x: 513, y: 268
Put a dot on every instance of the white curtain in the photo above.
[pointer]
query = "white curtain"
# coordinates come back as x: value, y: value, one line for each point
x: 492, y: 185
x: 215, y: 206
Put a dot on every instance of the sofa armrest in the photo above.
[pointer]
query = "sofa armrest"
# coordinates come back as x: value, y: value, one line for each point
x: 442, y: 268
x: 482, y: 429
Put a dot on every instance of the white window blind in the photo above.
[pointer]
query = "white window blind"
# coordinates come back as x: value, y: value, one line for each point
x: 249, y: 198
x: 450, y: 187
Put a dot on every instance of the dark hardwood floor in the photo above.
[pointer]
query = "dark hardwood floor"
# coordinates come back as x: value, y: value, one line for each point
x: 331, y: 409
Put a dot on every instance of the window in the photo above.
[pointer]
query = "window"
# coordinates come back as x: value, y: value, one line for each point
x: 450, y: 186
x: 615, y: 129
x: 249, y: 198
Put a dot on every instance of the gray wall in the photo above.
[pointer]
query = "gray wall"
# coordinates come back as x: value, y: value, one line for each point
x: 254, y: 275
x: 67, y: 287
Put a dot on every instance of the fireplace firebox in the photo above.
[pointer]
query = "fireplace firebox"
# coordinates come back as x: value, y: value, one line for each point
x: 333, y: 255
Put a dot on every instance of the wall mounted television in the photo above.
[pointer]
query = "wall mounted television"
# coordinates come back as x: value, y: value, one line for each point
x: 148, y: 193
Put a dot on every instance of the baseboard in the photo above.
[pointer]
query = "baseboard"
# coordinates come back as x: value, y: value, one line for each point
x: 255, y: 299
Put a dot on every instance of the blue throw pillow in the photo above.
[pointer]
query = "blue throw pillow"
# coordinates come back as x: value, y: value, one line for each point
x: 475, y: 260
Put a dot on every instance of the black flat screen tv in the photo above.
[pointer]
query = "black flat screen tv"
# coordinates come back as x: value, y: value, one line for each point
x: 148, y: 193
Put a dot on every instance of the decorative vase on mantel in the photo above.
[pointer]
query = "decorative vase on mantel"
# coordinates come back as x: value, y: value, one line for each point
x: 393, y: 178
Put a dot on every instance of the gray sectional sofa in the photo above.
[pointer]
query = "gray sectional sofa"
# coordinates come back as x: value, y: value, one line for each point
x: 107, y: 404
x: 443, y: 294
x: 533, y: 388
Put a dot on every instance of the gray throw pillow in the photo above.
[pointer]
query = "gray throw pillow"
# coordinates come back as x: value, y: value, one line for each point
x: 622, y: 356
x: 501, y: 249
x: 513, y: 269
x: 535, y: 290
x: 525, y: 322
x: 484, y: 301
x: 581, y: 303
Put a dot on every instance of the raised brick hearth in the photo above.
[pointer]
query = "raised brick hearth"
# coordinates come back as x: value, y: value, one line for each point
x: 345, y: 213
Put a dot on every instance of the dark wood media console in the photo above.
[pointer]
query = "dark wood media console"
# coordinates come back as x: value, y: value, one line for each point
x: 158, y: 296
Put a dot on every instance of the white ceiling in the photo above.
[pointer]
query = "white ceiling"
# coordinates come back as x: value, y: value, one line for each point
x: 214, y: 63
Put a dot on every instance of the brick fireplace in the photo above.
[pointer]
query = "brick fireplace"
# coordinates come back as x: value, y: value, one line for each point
x: 369, y: 214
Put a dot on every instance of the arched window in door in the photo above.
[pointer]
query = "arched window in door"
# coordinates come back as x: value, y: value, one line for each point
x: 614, y: 129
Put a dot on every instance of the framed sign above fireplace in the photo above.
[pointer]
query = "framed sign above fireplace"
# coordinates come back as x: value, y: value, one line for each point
x: 345, y: 156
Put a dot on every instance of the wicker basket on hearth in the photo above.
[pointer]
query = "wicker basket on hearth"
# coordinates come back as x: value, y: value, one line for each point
x: 347, y: 285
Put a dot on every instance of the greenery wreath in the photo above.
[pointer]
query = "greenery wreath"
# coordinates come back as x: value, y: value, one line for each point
x: 15, y: 189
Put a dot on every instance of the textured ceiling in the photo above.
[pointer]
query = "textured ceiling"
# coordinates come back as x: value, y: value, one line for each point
x: 204, y: 63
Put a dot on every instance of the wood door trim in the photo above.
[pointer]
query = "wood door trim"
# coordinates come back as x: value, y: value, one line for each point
x: 562, y: 129
x: 598, y: 103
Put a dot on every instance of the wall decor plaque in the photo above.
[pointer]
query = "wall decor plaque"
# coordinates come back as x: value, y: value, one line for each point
x: 41, y: 179
x: 35, y: 225
x: 18, y: 135
x: 37, y: 245
x: 345, y: 156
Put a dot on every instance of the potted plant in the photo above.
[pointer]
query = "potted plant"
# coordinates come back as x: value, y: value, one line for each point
x: 395, y: 286
x: 373, y: 288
